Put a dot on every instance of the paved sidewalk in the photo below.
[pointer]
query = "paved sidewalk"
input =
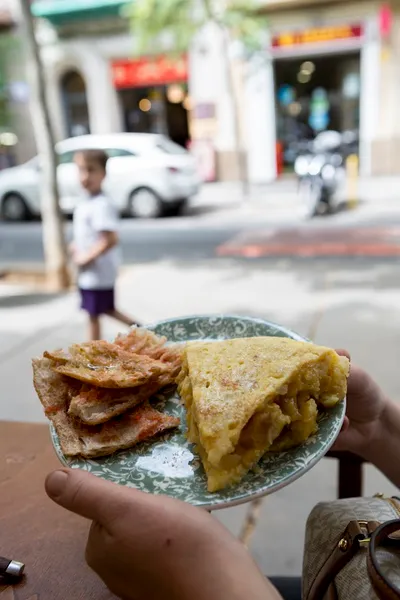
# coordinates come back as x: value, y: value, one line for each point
x: 371, y: 190
x: 353, y: 305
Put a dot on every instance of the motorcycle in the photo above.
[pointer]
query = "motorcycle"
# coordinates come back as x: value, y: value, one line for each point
x: 321, y: 171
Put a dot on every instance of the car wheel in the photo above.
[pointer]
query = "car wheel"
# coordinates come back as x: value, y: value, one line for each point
x: 14, y: 208
x: 145, y: 204
x: 175, y: 209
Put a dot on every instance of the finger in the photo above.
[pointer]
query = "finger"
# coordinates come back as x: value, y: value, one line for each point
x: 89, y: 496
x: 360, y: 383
x: 345, y: 425
x: 343, y: 352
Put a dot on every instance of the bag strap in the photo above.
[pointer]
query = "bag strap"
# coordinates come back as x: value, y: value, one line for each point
x: 344, y: 550
x: 383, y: 535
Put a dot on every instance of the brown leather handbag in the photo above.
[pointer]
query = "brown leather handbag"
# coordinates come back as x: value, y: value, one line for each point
x: 352, y: 550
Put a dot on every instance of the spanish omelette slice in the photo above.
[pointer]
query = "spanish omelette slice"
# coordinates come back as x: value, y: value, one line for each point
x: 246, y: 396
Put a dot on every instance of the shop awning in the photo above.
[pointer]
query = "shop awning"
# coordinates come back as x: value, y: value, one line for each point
x: 65, y: 11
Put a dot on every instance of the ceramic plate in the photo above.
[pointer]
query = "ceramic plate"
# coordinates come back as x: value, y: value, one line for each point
x: 169, y: 466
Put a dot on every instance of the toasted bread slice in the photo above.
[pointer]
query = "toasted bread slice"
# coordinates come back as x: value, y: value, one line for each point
x: 77, y: 439
x: 93, y: 405
x: 146, y: 343
x: 106, y: 365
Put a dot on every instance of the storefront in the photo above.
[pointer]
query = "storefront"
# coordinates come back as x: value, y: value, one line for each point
x: 154, y: 97
x: 316, y: 89
x: 328, y: 68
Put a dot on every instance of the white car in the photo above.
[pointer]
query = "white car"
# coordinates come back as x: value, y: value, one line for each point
x: 148, y: 176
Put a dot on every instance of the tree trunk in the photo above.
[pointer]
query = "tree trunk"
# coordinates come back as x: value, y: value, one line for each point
x: 54, y: 245
x: 240, y: 154
x: 241, y: 157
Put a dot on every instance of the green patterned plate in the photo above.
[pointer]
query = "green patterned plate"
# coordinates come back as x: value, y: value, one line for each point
x: 169, y: 466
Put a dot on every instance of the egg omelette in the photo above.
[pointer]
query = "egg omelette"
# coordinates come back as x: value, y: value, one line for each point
x: 246, y: 396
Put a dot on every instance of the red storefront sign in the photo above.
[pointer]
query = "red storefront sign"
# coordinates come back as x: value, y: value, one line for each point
x: 145, y: 72
x: 317, y: 35
x: 385, y: 20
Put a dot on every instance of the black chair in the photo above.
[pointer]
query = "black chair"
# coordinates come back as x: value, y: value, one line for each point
x: 350, y: 476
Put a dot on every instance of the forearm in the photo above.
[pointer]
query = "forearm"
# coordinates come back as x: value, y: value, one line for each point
x: 103, y: 245
x: 242, y: 581
x: 384, y: 449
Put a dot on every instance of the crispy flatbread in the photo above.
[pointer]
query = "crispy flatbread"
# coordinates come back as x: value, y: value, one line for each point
x: 77, y: 439
x: 106, y: 365
x: 144, y: 342
x: 93, y: 405
x: 241, y: 395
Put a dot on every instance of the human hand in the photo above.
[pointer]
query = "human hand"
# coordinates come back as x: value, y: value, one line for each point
x: 366, y: 405
x: 81, y: 260
x: 145, y: 546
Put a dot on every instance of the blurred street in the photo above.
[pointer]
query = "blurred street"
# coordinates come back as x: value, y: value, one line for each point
x: 352, y: 304
x: 220, y: 222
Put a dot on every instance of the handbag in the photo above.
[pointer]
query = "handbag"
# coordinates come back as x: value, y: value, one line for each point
x: 352, y: 550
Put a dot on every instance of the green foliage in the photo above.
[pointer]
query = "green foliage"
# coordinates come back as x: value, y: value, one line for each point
x: 6, y: 45
x: 155, y: 23
x: 245, y: 25
x: 170, y: 25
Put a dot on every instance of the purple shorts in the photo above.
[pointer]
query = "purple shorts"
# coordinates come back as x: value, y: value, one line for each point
x: 97, y: 302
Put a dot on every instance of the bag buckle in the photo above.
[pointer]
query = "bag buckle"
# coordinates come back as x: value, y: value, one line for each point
x: 367, y: 528
x: 357, y: 533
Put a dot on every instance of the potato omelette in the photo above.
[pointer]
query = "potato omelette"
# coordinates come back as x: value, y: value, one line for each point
x: 247, y: 396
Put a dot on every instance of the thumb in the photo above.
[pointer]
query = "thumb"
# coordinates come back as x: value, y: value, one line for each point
x: 89, y: 496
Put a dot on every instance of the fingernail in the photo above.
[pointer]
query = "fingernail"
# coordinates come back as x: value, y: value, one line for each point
x: 55, y: 484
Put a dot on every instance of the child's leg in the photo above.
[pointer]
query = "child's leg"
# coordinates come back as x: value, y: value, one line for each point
x: 94, y: 328
x: 119, y: 316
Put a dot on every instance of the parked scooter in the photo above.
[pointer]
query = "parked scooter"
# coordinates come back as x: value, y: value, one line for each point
x: 322, y: 169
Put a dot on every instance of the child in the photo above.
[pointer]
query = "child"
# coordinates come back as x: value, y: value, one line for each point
x: 95, y: 246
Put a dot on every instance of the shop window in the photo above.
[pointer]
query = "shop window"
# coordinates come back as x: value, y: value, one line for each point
x: 76, y: 112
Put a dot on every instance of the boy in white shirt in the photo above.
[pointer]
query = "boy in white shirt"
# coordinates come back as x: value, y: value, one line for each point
x: 95, y: 247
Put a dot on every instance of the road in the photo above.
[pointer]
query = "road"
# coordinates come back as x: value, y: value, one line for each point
x: 146, y: 242
x: 209, y: 233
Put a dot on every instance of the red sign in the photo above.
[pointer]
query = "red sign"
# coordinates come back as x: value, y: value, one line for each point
x: 385, y: 20
x: 145, y: 72
x: 314, y: 36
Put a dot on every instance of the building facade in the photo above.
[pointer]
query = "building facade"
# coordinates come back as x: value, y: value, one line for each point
x: 96, y: 85
x: 16, y: 137
x: 351, y: 51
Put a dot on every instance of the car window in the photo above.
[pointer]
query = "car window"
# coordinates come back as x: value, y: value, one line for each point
x: 116, y: 152
x: 169, y: 147
x: 65, y: 158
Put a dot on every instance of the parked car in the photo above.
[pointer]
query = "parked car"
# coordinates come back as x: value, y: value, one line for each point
x: 148, y: 176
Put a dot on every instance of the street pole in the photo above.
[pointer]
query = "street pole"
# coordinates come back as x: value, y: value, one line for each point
x: 54, y: 244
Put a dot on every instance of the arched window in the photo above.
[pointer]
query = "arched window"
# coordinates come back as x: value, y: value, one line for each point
x: 75, y: 104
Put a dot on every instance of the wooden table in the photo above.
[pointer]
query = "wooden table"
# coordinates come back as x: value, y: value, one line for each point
x: 34, y: 530
x: 49, y: 540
